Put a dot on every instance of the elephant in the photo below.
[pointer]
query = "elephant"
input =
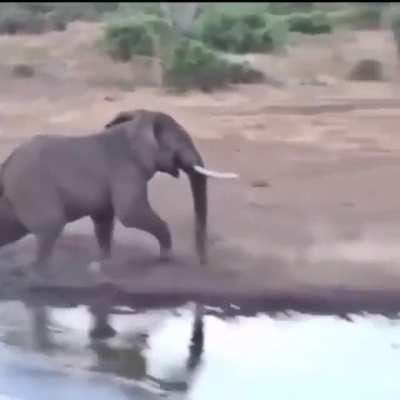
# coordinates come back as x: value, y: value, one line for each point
x: 51, y: 180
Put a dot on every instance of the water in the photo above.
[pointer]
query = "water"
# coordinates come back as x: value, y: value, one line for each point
x: 153, y: 355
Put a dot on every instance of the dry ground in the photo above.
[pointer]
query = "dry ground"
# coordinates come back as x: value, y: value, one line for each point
x: 329, y: 215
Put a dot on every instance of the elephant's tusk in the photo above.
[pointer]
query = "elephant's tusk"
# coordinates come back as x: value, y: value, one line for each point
x: 215, y: 174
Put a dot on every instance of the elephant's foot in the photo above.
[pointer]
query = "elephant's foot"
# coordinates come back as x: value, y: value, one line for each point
x: 96, y: 269
x: 36, y: 278
x: 203, y: 259
x: 40, y: 272
x: 166, y: 255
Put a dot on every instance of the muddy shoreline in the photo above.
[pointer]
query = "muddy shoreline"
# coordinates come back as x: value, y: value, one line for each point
x: 222, y: 302
x: 334, y: 303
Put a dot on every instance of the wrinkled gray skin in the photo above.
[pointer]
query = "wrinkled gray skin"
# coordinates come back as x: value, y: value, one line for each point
x: 52, y: 180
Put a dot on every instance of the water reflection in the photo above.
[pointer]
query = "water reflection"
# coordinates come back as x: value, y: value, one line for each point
x: 101, y: 339
x: 198, y: 356
x: 40, y: 328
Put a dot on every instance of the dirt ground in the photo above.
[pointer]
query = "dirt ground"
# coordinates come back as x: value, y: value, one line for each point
x: 327, y: 215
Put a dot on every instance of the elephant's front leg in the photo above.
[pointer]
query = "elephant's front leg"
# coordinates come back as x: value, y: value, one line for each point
x: 103, y: 228
x: 142, y: 217
x: 132, y: 208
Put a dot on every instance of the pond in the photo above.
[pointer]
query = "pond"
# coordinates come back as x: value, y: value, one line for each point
x: 183, y: 354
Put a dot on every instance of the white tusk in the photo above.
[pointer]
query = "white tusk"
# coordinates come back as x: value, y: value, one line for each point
x: 215, y: 174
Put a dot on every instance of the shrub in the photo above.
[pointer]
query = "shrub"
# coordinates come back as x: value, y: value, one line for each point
x: 193, y: 65
x: 244, y: 73
x: 36, y: 8
x: 127, y: 38
x: 68, y: 12
x: 41, y: 17
x: 362, y: 16
x: 367, y: 17
x: 102, y: 8
x: 395, y: 26
x: 312, y: 23
x: 129, y: 10
x: 14, y: 19
x: 147, y: 36
x: 282, y: 8
x: 56, y: 21
x: 367, y: 70
x: 22, y: 71
x: 243, y: 33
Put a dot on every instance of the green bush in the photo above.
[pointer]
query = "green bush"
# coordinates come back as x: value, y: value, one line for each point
x: 103, y: 8
x: 244, y: 73
x: 193, y: 65
x: 42, y: 17
x: 15, y: 19
x: 130, y: 11
x: 37, y: 8
x: 148, y: 36
x: 282, y: 8
x: 312, y: 23
x: 124, y: 40
x: 243, y: 33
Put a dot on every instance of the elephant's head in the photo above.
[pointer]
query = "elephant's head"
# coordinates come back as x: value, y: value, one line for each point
x: 172, y: 150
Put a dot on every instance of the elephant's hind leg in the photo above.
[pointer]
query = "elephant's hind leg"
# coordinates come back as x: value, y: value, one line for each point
x: 47, y: 224
x: 11, y: 228
x: 46, y: 241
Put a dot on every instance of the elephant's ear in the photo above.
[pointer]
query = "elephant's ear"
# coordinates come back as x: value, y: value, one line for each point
x: 143, y: 138
x: 121, y: 117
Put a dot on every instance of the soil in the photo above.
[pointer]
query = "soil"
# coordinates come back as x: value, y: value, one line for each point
x: 320, y: 234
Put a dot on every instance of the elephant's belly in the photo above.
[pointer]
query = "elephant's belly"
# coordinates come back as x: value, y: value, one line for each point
x: 86, y: 199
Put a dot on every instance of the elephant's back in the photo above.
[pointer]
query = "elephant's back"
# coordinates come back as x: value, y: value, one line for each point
x: 48, y: 169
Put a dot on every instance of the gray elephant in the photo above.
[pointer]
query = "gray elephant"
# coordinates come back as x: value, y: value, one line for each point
x: 52, y: 180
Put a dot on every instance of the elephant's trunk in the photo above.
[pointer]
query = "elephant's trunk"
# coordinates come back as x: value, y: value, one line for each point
x: 191, y: 162
x: 198, y: 185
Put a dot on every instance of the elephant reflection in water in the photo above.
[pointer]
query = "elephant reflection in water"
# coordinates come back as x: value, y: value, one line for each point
x: 132, y: 364
x: 128, y: 362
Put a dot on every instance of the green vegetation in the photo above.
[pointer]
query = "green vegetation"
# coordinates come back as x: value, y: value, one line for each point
x: 245, y: 33
x: 395, y: 26
x: 125, y: 38
x: 43, y: 17
x: 14, y: 19
x: 193, y: 65
x: 190, y: 39
x: 312, y: 23
x: 191, y: 58
x: 149, y: 35
x: 360, y: 16
x: 282, y: 8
